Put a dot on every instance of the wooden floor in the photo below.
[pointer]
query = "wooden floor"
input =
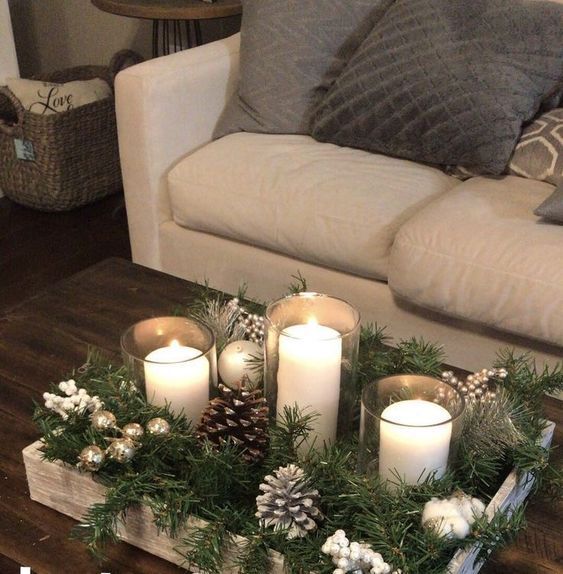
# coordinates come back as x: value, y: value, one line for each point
x: 37, y: 249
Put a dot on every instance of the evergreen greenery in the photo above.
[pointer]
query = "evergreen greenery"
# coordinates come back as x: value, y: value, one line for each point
x: 177, y: 476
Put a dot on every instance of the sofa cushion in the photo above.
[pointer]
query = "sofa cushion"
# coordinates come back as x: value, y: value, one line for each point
x: 447, y: 81
x: 333, y: 206
x: 479, y: 253
x: 291, y: 51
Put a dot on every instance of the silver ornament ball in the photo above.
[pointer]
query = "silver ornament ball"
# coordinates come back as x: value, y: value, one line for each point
x: 103, y: 420
x: 121, y: 450
x: 236, y: 361
x: 158, y: 426
x: 91, y: 458
x: 134, y: 431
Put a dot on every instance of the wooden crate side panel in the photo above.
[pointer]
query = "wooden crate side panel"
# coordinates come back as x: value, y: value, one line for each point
x: 511, y: 494
x: 71, y: 492
x: 51, y: 484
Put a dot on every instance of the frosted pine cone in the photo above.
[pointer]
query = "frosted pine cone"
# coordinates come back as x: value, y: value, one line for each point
x: 288, y: 503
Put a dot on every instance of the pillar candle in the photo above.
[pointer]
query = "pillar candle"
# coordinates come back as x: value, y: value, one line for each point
x: 309, y: 376
x: 178, y: 375
x: 412, y: 448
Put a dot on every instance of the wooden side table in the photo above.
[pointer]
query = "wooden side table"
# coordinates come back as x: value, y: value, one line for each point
x: 173, y: 21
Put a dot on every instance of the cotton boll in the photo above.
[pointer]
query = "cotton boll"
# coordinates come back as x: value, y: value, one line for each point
x: 459, y: 527
x: 437, y: 509
x: 445, y: 518
x: 470, y: 508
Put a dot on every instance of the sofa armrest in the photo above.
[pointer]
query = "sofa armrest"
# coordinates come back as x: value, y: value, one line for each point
x: 166, y: 108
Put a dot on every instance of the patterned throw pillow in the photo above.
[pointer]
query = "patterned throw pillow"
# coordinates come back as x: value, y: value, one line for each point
x: 290, y: 53
x: 539, y: 151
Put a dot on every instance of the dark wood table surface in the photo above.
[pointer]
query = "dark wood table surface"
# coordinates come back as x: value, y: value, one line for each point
x: 171, y: 9
x: 42, y: 340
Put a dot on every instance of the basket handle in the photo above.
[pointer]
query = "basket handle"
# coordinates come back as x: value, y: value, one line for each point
x: 12, y: 130
x: 121, y: 60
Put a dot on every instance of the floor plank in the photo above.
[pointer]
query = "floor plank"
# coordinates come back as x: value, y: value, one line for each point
x: 38, y: 248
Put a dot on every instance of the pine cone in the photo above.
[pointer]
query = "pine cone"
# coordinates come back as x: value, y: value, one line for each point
x: 287, y: 502
x: 238, y: 415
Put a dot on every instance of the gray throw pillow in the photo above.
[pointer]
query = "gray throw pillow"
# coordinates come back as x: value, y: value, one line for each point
x: 552, y: 207
x: 447, y: 81
x: 291, y: 51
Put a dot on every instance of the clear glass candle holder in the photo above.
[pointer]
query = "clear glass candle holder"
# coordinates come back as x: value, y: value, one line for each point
x: 409, y: 428
x: 311, y: 353
x: 173, y: 360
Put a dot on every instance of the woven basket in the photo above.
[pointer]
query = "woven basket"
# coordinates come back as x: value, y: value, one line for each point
x: 74, y: 158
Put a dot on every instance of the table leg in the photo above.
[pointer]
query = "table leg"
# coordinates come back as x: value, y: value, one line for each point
x: 161, y: 35
x: 154, y: 38
x: 197, y: 30
x: 188, y: 33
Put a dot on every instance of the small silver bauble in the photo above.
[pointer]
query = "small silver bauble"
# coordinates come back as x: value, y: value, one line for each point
x: 91, y: 458
x: 235, y: 362
x: 134, y: 431
x: 158, y: 426
x: 121, y: 450
x: 103, y: 420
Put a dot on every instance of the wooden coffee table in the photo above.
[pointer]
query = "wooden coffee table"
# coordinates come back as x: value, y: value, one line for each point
x: 41, y: 341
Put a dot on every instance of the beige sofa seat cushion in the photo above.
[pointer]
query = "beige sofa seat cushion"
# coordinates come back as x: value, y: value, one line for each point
x: 321, y: 203
x: 480, y: 253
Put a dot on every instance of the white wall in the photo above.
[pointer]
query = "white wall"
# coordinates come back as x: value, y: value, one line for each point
x: 56, y: 34
x: 8, y: 60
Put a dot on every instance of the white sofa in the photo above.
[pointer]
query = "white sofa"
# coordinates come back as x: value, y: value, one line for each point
x: 466, y: 264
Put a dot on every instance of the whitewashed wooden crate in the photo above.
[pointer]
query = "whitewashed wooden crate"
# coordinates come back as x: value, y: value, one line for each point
x: 66, y: 490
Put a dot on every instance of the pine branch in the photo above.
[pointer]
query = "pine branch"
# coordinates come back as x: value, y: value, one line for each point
x: 287, y: 435
x: 254, y: 556
x: 99, y: 526
x: 204, y: 546
x: 525, y: 384
x: 299, y: 285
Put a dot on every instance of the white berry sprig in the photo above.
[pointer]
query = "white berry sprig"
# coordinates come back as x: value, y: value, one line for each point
x: 354, y: 557
x: 74, y: 400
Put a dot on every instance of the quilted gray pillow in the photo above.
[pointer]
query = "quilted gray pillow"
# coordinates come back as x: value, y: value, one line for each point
x: 291, y: 51
x: 538, y: 153
x: 447, y: 81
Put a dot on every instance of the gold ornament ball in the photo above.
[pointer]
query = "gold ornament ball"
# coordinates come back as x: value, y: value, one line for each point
x: 103, y: 420
x: 122, y: 450
x: 134, y: 431
x: 91, y: 458
x: 158, y: 426
x: 234, y: 363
